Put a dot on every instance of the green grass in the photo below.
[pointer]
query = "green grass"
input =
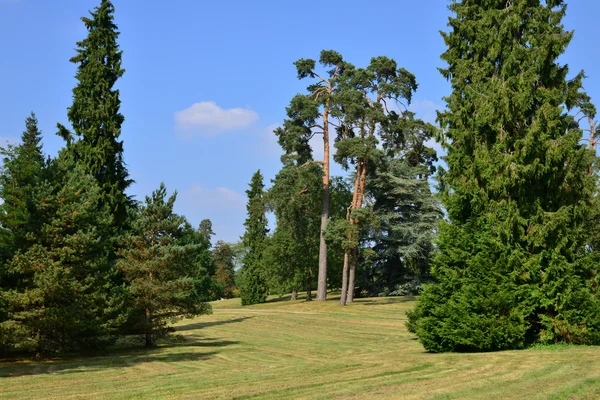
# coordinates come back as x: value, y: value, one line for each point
x: 300, y: 350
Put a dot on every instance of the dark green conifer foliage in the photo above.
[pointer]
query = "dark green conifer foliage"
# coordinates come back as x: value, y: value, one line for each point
x: 22, y: 170
x: 292, y: 254
x: 511, y: 268
x: 63, y: 299
x: 95, y: 115
x: 407, y: 214
x: 254, y: 289
x: 157, y: 261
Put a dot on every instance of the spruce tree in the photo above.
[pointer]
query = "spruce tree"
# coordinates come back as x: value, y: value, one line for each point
x: 63, y: 299
x: 22, y: 171
x: 254, y: 289
x: 94, y: 114
x: 511, y: 268
x: 163, y: 282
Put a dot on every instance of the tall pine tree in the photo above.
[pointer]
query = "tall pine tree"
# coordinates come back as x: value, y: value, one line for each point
x: 254, y: 289
x: 511, y: 268
x: 94, y: 114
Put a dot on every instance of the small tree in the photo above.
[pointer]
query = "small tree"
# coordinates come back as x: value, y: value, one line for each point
x: 224, y: 269
x: 163, y: 284
x: 254, y: 289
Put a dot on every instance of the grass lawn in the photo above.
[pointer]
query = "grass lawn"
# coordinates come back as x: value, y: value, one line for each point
x: 300, y: 350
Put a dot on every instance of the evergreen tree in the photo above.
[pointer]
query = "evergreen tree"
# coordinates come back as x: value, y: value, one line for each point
x: 310, y: 115
x: 511, y: 267
x: 22, y: 171
x: 95, y: 115
x: 224, y: 269
x: 63, y: 299
x: 163, y: 284
x: 407, y: 213
x: 295, y: 199
x: 254, y: 289
x: 366, y: 96
x: 206, y: 229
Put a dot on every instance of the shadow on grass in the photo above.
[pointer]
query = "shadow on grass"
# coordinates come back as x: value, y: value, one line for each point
x: 116, y: 358
x: 387, y: 300
x: 200, y: 325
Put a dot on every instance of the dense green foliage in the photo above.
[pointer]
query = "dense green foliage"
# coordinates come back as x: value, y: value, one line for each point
x: 95, y: 115
x: 223, y: 258
x: 161, y: 269
x: 62, y: 298
x: 507, y: 250
x: 292, y: 254
x: 512, y: 267
x: 254, y: 287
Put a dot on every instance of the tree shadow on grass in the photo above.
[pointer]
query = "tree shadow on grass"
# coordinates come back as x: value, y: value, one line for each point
x: 200, y: 325
x: 116, y: 358
x: 386, y: 300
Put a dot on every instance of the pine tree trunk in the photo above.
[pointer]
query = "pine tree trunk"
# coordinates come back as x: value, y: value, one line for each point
x: 352, y: 273
x: 294, y: 295
x: 322, y: 279
x: 354, y: 258
x: 344, y: 280
x: 149, y: 341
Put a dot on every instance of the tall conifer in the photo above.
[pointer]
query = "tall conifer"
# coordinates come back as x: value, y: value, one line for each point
x: 254, y: 289
x: 511, y: 267
x: 94, y: 114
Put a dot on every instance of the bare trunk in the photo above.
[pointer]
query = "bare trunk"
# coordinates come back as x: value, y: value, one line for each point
x: 322, y: 279
x: 354, y: 258
x: 344, y: 280
x: 294, y: 295
x: 352, y: 273
x: 355, y: 197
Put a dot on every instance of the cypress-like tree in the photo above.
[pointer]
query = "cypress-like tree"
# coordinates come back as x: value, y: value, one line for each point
x: 511, y: 268
x: 254, y: 289
x: 163, y: 282
x: 95, y: 115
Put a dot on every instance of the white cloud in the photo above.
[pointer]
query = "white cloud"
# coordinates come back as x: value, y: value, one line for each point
x: 206, y: 118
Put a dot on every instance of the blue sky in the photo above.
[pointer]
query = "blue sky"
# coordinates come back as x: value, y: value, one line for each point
x: 206, y: 82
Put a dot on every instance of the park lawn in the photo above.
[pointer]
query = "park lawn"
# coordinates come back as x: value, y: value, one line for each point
x: 307, y: 350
